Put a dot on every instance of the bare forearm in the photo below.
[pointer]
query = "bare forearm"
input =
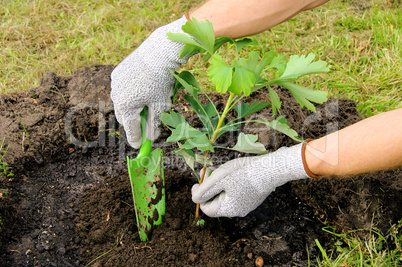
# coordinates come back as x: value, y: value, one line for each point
x: 239, y: 18
x: 370, y: 145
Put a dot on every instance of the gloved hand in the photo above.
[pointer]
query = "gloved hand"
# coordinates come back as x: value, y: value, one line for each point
x: 239, y: 186
x: 145, y: 78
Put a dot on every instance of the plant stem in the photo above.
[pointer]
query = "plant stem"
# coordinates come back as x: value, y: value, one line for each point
x: 214, y: 135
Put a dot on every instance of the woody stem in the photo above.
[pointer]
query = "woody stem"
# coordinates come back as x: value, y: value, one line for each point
x: 214, y: 136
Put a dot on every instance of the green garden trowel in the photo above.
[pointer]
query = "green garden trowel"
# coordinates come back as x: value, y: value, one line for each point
x: 147, y: 184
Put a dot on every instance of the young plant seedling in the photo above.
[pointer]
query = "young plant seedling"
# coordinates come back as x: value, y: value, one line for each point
x: 235, y: 80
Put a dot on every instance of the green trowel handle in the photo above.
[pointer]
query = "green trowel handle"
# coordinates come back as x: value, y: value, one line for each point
x: 146, y: 145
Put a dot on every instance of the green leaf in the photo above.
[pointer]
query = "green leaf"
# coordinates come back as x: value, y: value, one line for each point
x: 187, y: 80
x: 301, y: 65
x: 200, y: 141
x: 210, y: 113
x: 245, y: 109
x: 227, y: 128
x: 243, y: 42
x: 280, y: 124
x: 200, y: 222
x: 204, y: 112
x: 203, y: 32
x: 279, y: 63
x: 242, y: 81
x: 303, y: 95
x: 220, y: 74
x: 207, y: 111
x: 188, y: 156
x: 189, y: 49
x: 172, y: 119
x: 183, y: 38
x: 183, y: 131
x: 190, y: 79
x: 202, y: 160
x: 218, y: 43
x: 276, y: 102
x: 221, y: 41
x: 210, y: 110
x: 247, y: 143
x: 266, y: 59
x: 194, y: 137
x: 252, y: 64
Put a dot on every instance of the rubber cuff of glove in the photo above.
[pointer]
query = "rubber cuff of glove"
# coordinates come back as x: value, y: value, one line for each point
x: 306, y: 168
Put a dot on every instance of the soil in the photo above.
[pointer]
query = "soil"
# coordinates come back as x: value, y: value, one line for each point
x: 69, y: 201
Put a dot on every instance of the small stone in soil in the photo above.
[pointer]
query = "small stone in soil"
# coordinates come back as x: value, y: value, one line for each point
x: 192, y: 257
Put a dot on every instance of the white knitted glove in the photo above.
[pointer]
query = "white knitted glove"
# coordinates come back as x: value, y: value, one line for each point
x: 145, y: 78
x: 239, y: 186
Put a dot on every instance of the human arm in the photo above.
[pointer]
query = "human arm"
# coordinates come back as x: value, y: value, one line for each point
x: 372, y: 144
x: 239, y: 186
x: 239, y: 18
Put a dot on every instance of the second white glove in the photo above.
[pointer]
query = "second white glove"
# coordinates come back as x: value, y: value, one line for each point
x: 239, y: 186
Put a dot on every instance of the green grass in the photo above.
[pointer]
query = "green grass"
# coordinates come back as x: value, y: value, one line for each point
x: 62, y: 36
x: 4, y: 168
x: 363, y: 47
x: 363, y: 248
x: 360, y: 39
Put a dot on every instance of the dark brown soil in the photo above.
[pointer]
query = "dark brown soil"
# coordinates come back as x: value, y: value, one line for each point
x: 69, y: 200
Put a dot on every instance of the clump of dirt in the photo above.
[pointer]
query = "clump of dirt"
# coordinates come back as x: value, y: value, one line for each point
x: 69, y: 201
